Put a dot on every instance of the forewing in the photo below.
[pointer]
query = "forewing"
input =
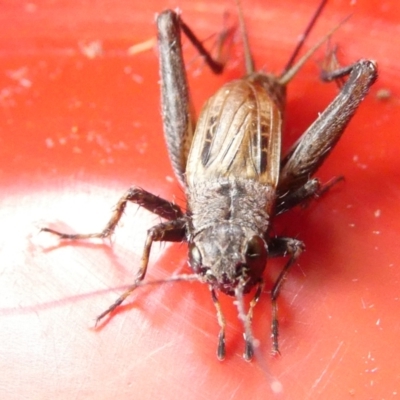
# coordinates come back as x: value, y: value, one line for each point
x: 237, y: 135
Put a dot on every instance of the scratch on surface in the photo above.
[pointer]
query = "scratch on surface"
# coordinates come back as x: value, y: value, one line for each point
x: 300, y: 289
x: 150, y: 354
x: 172, y: 343
x: 323, y: 373
x: 234, y: 391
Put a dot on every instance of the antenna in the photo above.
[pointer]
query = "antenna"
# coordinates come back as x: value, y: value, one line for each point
x: 288, y: 75
x: 304, y: 36
x: 248, y: 58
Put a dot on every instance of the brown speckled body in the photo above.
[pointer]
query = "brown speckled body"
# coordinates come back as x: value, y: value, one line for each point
x: 225, y: 214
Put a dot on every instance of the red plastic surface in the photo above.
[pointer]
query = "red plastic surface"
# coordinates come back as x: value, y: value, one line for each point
x: 80, y: 123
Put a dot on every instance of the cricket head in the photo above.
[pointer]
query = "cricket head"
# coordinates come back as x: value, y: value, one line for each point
x: 228, y: 256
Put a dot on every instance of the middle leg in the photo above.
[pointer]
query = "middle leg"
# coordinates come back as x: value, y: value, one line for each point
x: 168, y: 231
x: 149, y: 201
x: 281, y: 247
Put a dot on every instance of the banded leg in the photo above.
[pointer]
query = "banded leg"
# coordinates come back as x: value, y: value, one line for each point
x: 222, y: 324
x: 151, y: 202
x: 168, y: 231
x: 280, y: 247
x: 249, y: 345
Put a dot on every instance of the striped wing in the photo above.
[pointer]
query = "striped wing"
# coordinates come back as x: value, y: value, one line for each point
x: 238, y: 135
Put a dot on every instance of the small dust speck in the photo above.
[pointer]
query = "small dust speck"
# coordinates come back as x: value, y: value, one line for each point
x: 30, y: 7
x: 141, y: 146
x: 276, y: 387
x: 377, y: 213
x: 120, y: 146
x: 25, y: 83
x: 383, y: 94
x: 91, y: 49
x: 137, y: 78
x: 356, y: 159
x: 49, y: 143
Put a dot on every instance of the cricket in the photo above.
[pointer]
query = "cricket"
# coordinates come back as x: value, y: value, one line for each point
x: 230, y: 166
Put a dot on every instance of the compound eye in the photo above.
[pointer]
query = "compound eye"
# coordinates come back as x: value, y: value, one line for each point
x: 256, y: 255
x: 195, y: 258
x: 256, y: 247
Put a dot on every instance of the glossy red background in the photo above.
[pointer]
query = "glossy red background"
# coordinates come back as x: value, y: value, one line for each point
x: 80, y: 122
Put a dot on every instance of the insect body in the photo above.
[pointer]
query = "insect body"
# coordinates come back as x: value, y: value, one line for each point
x: 233, y: 174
